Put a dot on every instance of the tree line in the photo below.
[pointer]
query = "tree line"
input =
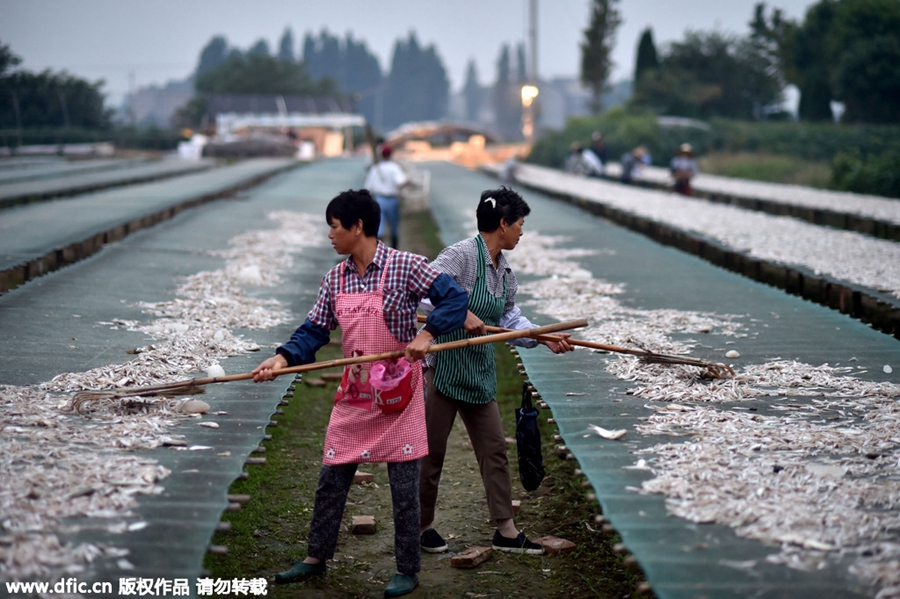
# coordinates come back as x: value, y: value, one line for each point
x: 47, y: 99
x: 845, y: 51
x: 415, y: 87
x: 842, y: 51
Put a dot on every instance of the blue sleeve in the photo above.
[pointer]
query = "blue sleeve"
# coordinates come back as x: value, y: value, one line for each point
x: 304, y: 343
x: 451, y: 304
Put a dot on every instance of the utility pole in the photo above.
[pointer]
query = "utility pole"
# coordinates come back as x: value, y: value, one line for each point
x: 65, y: 109
x: 15, y: 99
x: 530, y: 90
x: 131, y: 113
x: 533, y: 33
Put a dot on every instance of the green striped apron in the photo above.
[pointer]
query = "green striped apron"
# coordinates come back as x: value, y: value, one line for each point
x: 469, y: 374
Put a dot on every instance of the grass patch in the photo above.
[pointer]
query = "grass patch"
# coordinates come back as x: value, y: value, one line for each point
x: 772, y: 168
x: 561, y: 505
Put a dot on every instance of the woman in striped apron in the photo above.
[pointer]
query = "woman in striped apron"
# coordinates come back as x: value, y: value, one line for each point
x: 464, y: 381
x: 372, y: 296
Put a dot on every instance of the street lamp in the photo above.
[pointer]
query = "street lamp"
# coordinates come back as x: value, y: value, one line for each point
x: 529, y: 93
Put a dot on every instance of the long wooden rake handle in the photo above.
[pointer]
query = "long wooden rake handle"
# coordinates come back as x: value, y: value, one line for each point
x: 496, y: 337
x: 196, y: 385
x: 716, y: 370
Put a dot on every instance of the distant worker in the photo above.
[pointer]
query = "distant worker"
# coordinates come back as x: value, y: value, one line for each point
x: 510, y: 169
x: 384, y: 180
x: 683, y: 168
x: 631, y: 163
x: 574, y: 162
x: 583, y: 162
x: 593, y: 165
x: 598, y: 147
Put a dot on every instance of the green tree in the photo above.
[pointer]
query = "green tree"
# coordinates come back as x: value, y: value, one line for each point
x: 472, y: 92
x: 7, y: 59
x: 876, y: 175
x: 844, y: 50
x: 260, y: 48
x: 596, y: 49
x: 50, y: 100
x: 810, y: 68
x: 261, y: 74
x: 417, y: 86
x: 507, y: 99
x: 193, y: 114
x: 286, y: 46
x: 350, y: 64
x: 521, y: 64
x: 322, y: 55
x: 647, y: 59
x: 710, y: 74
x: 864, y: 53
x: 213, y: 54
x: 362, y: 77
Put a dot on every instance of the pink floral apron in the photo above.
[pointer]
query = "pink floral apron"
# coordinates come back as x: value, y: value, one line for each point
x: 358, y: 430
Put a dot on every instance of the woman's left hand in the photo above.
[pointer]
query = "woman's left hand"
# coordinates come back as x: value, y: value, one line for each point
x: 561, y: 346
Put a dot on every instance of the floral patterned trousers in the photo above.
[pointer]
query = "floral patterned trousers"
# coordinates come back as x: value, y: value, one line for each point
x: 331, y: 497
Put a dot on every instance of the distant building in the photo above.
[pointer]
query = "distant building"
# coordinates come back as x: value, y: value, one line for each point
x: 154, y: 106
x: 559, y: 99
x: 311, y: 123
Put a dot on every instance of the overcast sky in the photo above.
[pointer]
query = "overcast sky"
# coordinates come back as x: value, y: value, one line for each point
x: 140, y: 42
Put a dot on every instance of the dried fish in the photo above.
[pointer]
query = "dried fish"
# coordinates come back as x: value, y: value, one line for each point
x: 818, y: 475
x: 608, y: 434
x: 844, y: 255
x: 61, y: 469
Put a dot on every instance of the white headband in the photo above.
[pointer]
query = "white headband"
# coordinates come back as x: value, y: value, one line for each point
x: 492, y: 201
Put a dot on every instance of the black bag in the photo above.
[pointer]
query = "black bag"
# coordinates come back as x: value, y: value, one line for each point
x: 528, y: 443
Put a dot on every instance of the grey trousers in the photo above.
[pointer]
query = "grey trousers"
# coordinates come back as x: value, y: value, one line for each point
x: 331, y: 497
x: 485, y: 428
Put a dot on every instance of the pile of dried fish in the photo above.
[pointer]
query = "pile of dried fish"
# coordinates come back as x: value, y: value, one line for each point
x: 828, y: 487
x: 63, y: 472
x: 844, y: 255
x: 59, y: 471
x: 818, y: 474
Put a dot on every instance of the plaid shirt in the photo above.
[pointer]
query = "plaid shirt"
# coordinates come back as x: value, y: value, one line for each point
x: 409, y: 277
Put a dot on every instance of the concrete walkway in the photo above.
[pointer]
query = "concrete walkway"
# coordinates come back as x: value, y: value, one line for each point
x: 40, y: 237
x: 872, y: 215
x: 84, y: 180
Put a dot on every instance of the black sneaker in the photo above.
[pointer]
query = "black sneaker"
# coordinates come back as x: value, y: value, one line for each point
x: 518, y: 545
x: 432, y: 542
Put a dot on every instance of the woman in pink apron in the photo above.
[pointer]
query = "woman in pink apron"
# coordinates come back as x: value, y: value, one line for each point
x: 379, y: 410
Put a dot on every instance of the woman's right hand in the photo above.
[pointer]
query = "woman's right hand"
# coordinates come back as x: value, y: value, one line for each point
x: 474, y: 325
x: 263, y: 372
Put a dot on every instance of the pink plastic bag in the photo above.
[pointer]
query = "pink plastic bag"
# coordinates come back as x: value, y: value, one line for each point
x: 392, y: 382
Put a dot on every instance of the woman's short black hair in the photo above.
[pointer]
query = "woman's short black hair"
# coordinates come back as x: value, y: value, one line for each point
x: 353, y: 205
x: 500, y: 204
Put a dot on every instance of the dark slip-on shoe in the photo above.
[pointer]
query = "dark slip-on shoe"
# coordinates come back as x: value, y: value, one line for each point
x: 401, y: 584
x: 300, y: 571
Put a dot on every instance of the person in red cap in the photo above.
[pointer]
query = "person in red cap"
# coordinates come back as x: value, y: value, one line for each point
x: 683, y: 168
x: 384, y: 180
